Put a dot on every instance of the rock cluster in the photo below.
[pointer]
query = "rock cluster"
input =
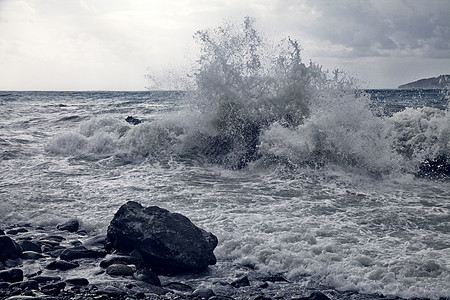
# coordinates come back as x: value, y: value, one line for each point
x: 141, y: 241
x: 122, y: 264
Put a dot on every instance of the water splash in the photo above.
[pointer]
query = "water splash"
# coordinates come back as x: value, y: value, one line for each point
x: 256, y: 101
x: 246, y: 85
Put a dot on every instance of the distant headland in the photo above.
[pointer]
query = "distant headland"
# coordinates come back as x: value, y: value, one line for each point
x: 439, y: 82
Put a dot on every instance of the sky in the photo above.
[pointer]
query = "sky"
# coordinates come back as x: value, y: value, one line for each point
x: 114, y: 44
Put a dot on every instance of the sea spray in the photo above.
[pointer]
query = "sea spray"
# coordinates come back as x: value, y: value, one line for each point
x: 258, y: 102
x: 421, y: 133
x: 325, y: 228
x: 246, y: 87
x: 304, y: 202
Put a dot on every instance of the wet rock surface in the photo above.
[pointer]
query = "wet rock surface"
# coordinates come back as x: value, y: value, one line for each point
x: 133, y: 120
x: 81, y: 252
x: 62, y: 265
x: 9, y: 249
x: 126, y: 276
x: 71, y: 226
x: 169, y: 243
x: 11, y: 275
x: 119, y: 270
x: 437, y: 168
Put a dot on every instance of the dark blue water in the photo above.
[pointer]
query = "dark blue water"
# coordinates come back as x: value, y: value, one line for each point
x: 392, y: 101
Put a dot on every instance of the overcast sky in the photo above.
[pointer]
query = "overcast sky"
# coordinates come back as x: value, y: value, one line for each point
x: 113, y: 44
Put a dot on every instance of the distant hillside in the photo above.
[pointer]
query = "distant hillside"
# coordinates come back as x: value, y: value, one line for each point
x: 439, y: 82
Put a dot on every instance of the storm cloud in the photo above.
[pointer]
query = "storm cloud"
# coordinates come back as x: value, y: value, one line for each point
x: 113, y: 44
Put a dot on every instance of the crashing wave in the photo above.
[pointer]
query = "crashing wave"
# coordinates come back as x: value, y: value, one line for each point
x: 259, y: 102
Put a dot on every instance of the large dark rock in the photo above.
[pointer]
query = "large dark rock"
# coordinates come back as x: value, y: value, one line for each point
x: 16, y: 231
x: 241, y: 282
x: 71, y: 226
x: 438, y: 168
x: 119, y: 270
x: 133, y: 120
x: 9, y: 249
x: 168, y: 242
x: 12, y: 275
x: 77, y: 281
x: 26, y: 285
x: 30, y: 246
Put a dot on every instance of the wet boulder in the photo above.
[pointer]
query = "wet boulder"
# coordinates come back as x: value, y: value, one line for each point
x: 203, y: 293
x: 32, y: 255
x: 81, y: 252
x: 169, y: 243
x: 241, y: 282
x: 71, y: 226
x: 119, y: 270
x: 12, y: 275
x: 122, y: 259
x: 25, y: 285
x: 16, y: 231
x: 238, y: 135
x: 148, y: 276
x: 133, y: 120
x: 30, y: 246
x: 62, y: 265
x: 46, y: 279
x: 53, y: 289
x: 9, y: 249
x: 78, y: 281
x: 437, y: 168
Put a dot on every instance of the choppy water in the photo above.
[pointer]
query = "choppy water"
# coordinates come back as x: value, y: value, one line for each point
x: 318, y: 226
x: 295, y: 173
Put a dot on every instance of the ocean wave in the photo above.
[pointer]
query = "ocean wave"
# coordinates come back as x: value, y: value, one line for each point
x: 256, y: 102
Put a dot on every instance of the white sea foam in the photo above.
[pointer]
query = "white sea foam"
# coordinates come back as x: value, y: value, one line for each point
x: 421, y: 133
x: 292, y: 171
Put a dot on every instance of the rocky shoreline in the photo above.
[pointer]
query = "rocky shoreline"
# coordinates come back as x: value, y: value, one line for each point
x: 66, y: 263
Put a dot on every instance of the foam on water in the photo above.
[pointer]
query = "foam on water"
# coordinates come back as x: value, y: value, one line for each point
x: 258, y: 102
x: 288, y: 166
x: 421, y: 133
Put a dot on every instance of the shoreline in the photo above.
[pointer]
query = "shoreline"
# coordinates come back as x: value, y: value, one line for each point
x: 87, y: 277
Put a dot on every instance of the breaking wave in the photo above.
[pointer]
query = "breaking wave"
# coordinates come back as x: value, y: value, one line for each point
x: 259, y: 103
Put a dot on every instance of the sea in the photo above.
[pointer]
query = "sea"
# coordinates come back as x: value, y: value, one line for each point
x: 72, y: 155
x: 295, y: 173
